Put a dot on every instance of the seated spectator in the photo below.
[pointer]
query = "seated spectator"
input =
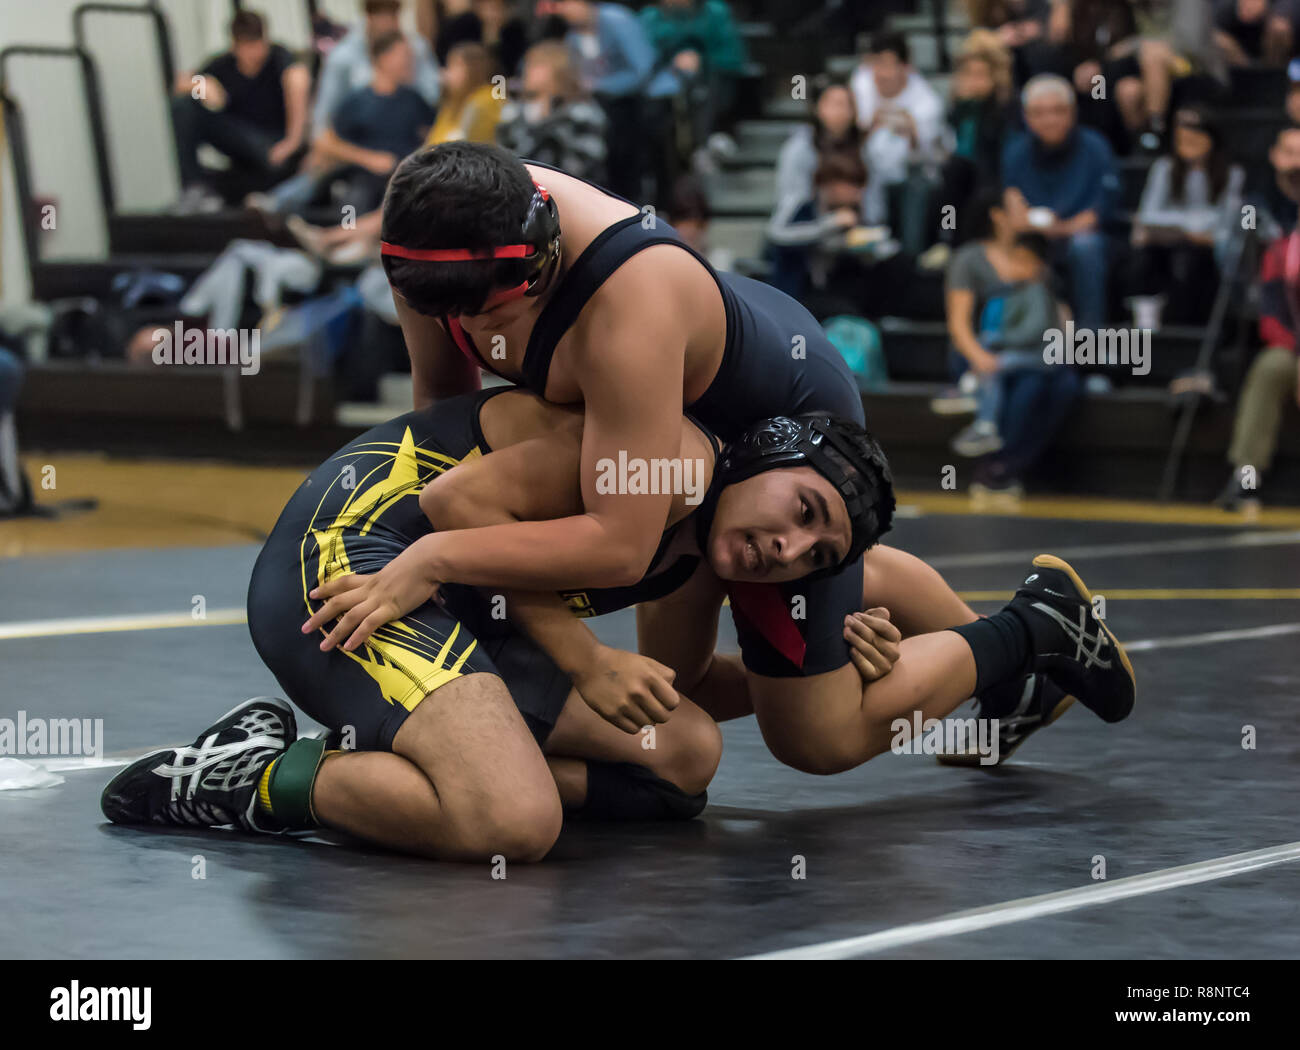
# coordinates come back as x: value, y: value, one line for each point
x: 978, y: 120
x: 250, y: 104
x: 1018, y: 24
x: 348, y: 66
x: 999, y: 306
x: 471, y: 103
x: 373, y: 128
x: 1273, y: 379
x: 904, y: 121
x: 690, y: 213
x: 555, y: 122
x: 823, y: 256
x: 1136, y: 73
x: 1253, y: 32
x: 699, y: 57
x: 833, y: 127
x: 493, y: 23
x: 981, y: 92
x: 1189, y: 195
x: 614, y: 60
x: 1068, y: 178
x: 15, y: 492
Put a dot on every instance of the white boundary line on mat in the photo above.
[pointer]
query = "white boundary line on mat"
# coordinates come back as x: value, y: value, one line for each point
x: 153, y: 621
x: 1262, y: 538
x: 1042, y: 905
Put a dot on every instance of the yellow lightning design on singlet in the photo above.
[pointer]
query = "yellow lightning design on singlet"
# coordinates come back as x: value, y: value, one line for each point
x: 406, y: 662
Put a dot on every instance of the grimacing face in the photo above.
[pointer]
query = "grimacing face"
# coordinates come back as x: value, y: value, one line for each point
x: 778, y: 525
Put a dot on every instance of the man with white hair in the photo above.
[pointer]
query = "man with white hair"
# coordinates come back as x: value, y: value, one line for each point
x: 1068, y: 177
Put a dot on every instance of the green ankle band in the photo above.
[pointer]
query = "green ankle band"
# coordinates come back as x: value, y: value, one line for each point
x: 289, y: 788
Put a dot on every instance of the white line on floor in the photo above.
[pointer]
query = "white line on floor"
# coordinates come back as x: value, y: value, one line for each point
x: 1043, y: 905
x: 1181, y: 640
x: 133, y: 622
x: 1119, y: 550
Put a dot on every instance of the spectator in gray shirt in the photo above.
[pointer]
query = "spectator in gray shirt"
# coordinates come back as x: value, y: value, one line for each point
x: 1191, y: 194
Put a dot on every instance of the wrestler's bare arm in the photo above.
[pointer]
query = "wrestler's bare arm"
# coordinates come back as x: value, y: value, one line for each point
x: 438, y: 368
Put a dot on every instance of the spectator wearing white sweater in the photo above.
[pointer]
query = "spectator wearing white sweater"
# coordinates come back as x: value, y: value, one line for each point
x: 904, y: 120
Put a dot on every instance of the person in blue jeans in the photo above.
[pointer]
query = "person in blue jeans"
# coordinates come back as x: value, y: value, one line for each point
x: 1068, y: 178
x: 999, y: 306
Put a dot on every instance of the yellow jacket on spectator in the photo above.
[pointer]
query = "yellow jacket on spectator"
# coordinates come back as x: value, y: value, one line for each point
x: 474, y: 120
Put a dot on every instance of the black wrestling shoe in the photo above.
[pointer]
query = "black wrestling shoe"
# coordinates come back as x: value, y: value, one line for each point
x: 1075, y: 649
x: 1021, y: 710
x: 211, y: 783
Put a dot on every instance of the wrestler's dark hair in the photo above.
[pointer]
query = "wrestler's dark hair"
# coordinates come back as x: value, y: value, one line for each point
x: 456, y: 195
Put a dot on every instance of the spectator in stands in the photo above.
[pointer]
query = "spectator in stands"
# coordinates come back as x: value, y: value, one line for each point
x: 250, y: 104
x: 690, y: 213
x: 833, y: 127
x: 615, y: 60
x: 471, y: 103
x: 823, y: 256
x: 1136, y: 73
x: 1253, y: 32
x: 1273, y: 379
x: 555, y: 121
x: 903, y: 118
x: 348, y: 66
x: 493, y: 23
x: 373, y: 128
x: 981, y: 92
x: 1067, y: 175
x: 999, y: 306
x: 15, y: 494
x: 1019, y: 25
x: 977, y: 120
x: 1189, y: 196
x: 699, y: 57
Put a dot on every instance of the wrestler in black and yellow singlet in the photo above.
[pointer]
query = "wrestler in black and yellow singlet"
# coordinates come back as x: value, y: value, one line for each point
x: 358, y: 511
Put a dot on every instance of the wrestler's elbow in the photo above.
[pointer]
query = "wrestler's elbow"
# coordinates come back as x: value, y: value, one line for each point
x: 621, y: 554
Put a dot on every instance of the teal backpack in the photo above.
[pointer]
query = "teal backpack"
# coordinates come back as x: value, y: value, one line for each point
x: 858, y: 342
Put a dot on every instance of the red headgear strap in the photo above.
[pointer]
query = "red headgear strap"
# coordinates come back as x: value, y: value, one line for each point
x: 510, y: 251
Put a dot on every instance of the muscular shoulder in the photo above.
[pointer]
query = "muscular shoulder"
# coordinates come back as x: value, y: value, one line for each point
x: 654, y: 294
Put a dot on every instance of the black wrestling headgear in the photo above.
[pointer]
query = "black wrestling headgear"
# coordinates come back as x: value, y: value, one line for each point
x: 841, y: 452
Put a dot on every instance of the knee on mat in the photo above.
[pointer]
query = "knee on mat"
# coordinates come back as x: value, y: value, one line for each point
x: 694, y: 753
x: 522, y: 829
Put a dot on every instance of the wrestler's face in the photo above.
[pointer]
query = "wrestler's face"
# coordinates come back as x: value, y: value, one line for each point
x: 778, y: 525
x: 499, y: 318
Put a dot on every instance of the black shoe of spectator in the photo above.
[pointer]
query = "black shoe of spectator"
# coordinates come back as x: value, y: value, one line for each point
x: 1236, y: 496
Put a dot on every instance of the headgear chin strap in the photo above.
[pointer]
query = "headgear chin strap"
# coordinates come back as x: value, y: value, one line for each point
x: 855, y: 465
x: 540, y: 249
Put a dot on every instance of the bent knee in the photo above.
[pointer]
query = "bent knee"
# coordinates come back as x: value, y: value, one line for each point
x: 520, y: 830
x: 695, y: 752
x: 819, y: 755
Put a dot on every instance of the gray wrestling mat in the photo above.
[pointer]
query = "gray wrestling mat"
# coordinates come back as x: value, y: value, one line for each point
x: 896, y: 854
